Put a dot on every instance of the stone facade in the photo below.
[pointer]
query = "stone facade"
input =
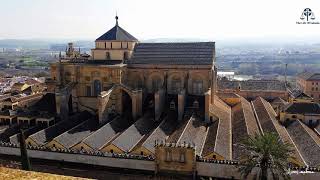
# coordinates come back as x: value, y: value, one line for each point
x: 122, y: 74
x: 309, y: 83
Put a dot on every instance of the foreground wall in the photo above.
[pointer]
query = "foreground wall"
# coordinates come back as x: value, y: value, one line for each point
x: 203, y: 168
x: 84, y: 158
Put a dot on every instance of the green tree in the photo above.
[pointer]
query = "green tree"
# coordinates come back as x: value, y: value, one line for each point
x: 24, y: 154
x: 265, y: 155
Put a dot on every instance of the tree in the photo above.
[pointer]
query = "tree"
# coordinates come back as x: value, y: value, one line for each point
x: 24, y: 154
x: 267, y: 154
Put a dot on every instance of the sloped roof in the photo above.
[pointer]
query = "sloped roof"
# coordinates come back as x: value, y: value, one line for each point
x: 302, y: 108
x: 266, y: 116
x: 222, y: 143
x: 223, y: 95
x: 279, y: 100
x: 131, y: 136
x: 45, y: 135
x: 165, y: 129
x: 194, y: 133
x: 46, y: 103
x: 19, y: 86
x: 174, y: 137
x: 116, y: 34
x: 244, y: 124
x: 279, y: 103
x: 307, y: 142
x: 107, y: 132
x: 78, y: 133
x: 210, y: 141
x: 15, y: 138
x: 197, y: 53
x: 309, y: 76
x: 6, y: 133
x: 299, y: 94
x: 262, y: 85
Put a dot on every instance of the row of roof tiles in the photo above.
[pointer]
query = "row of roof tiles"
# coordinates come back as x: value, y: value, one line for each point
x: 220, y: 138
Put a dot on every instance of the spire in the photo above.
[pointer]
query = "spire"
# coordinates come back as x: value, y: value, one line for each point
x: 117, y: 19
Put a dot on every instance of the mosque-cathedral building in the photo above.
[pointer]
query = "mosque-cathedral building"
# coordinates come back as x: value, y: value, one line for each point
x: 163, y: 101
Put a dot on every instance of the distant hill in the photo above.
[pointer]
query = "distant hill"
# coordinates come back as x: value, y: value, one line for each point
x: 41, y: 44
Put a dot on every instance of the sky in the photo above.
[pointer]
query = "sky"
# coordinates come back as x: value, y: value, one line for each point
x: 152, y: 19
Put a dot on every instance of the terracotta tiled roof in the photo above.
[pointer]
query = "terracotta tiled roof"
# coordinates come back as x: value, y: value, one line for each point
x: 162, y: 132
x: 262, y: 85
x: 244, y: 124
x: 279, y: 102
x: 46, y: 135
x: 132, y: 136
x: 223, y: 142
x: 174, y: 137
x: 210, y: 141
x: 31, y: 81
x: 107, y: 132
x: 266, y: 116
x: 307, y: 142
x: 78, y: 133
x: 194, y: 133
x: 198, y: 53
x: 15, y: 139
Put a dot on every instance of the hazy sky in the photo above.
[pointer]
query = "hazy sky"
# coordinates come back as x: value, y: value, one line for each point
x: 148, y: 19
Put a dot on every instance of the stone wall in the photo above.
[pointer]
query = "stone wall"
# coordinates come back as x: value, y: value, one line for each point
x: 220, y: 169
x: 84, y: 158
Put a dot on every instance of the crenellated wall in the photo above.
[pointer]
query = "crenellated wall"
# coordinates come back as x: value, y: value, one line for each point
x: 219, y: 169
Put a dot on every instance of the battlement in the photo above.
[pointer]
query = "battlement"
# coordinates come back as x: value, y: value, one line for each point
x: 174, y: 145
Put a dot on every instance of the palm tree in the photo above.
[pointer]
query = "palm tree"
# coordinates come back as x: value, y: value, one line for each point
x: 265, y: 154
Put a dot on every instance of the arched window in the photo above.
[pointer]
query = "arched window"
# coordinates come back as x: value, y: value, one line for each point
x: 96, y: 87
